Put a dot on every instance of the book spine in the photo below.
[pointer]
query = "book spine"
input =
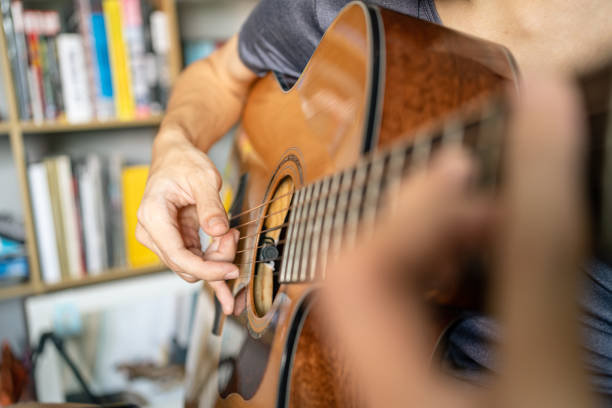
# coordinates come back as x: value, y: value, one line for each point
x: 106, y: 102
x: 69, y: 216
x: 48, y: 94
x: 117, y: 244
x: 56, y: 210
x: 74, y: 79
x: 54, y: 28
x: 12, y: 14
x: 43, y: 223
x: 133, y: 34
x: 34, y: 68
x: 90, y: 185
x: 122, y: 82
x: 84, y: 17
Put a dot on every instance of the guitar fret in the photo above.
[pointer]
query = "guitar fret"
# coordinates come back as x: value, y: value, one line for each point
x: 421, y: 152
x: 372, y: 194
x: 355, y: 203
x: 396, y: 169
x: 317, y: 230
x: 312, y: 206
x: 301, y: 225
x: 453, y: 134
x: 341, y: 208
x: 330, y: 210
x: 290, y: 252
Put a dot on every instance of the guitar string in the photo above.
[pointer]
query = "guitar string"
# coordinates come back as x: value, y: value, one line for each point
x: 365, y: 160
x: 353, y: 188
x: 307, y: 218
x: 299, y: 205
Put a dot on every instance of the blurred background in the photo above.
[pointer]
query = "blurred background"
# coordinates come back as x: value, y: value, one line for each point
x: 84, y: 308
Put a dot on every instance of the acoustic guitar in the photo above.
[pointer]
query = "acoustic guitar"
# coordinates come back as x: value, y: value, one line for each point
x: 381, y: 93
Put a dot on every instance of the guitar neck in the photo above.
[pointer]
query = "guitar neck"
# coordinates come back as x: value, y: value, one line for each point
x: 328, y: 214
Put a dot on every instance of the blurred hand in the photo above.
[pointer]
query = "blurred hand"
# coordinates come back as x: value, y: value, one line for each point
x: 374, y: 304
x: 182, y: 195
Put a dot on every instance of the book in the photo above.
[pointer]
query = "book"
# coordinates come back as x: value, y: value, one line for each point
x: 160, y: 38
x: 133, y: 181
x: 133, y: 35
x: 12, y: 17
x: 58, y: 220
x: 45, y: 27
x: 119, y: 59
x: 115, y: 207
x: 52, y: 71
x: 89, y: 175
x: 74, y: 78
x: 71, y: 243
x: 35, y: 82
x: 105, y: 105
x: 43, y: 223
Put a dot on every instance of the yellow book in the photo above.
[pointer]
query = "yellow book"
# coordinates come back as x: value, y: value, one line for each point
x: 119, y: 60
x: 133, y: 180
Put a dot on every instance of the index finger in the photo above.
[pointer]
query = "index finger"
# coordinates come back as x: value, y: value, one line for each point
x: 164, y: 232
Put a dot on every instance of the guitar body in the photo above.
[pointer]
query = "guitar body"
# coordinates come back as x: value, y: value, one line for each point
x: 376, y: 77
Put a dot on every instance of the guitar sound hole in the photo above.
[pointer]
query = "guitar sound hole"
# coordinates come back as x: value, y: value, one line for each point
x: 270, y: 247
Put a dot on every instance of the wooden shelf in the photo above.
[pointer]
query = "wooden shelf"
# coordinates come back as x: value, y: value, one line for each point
x: 61, y: 127
x: 5, y: 128
x: 13, y: 291
x: 107, y: 276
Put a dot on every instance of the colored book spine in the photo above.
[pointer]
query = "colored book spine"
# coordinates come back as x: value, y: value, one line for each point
x: 74, y: 78
x: 35, y: 84
x: 122, y: 82
x: 133, y: 34
x: 45, y: 33
x: 105, y: 101
x: 133, y: 180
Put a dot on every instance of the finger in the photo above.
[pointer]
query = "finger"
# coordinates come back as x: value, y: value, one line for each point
x: 223, y: 248
x: 164, y: 233
x: 542, y: 249
x: 224, y: 295
x: 211, y: 214
x: 143, y: 236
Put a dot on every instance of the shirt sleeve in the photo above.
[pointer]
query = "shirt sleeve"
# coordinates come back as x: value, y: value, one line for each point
x: 280, y: 36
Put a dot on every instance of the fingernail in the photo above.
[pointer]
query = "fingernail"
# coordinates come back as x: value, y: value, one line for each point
x: 231, y: 275
x: 214, y: 244
x: 217, y: 225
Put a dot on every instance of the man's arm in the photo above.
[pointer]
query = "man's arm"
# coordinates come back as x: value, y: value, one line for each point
x: 182, y: 193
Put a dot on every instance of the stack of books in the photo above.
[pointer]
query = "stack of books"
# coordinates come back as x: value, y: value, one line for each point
x: 85, y: 216
x: 111, y: 64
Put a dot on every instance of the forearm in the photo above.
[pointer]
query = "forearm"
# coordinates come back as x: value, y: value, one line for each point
x: 206, y: 100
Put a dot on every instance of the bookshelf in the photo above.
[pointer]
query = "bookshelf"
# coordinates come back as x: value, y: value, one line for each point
x: 17, y: 129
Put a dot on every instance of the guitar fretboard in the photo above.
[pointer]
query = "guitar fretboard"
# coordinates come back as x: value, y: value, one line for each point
x: 329, y: 214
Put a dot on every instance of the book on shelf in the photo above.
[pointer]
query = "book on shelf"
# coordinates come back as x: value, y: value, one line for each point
x: 12, y: 22
x: 134, y: 179
x: 108, y: 54
x: 44, y: 223
x: 74, y: 78
x: 85, y: 215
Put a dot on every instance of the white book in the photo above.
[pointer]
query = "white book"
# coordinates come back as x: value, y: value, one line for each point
x: 69, y: 216
x: 44, y: 225
x: 92, y: 209
x: 75, y: 84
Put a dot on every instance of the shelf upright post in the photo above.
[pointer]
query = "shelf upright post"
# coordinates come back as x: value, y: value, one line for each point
x: 19, y: 159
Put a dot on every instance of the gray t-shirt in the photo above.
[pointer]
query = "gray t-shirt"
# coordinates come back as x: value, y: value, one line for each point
x: 281, y: 35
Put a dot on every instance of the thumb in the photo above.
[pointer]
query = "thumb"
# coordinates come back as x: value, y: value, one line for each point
x: 211, y: 214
